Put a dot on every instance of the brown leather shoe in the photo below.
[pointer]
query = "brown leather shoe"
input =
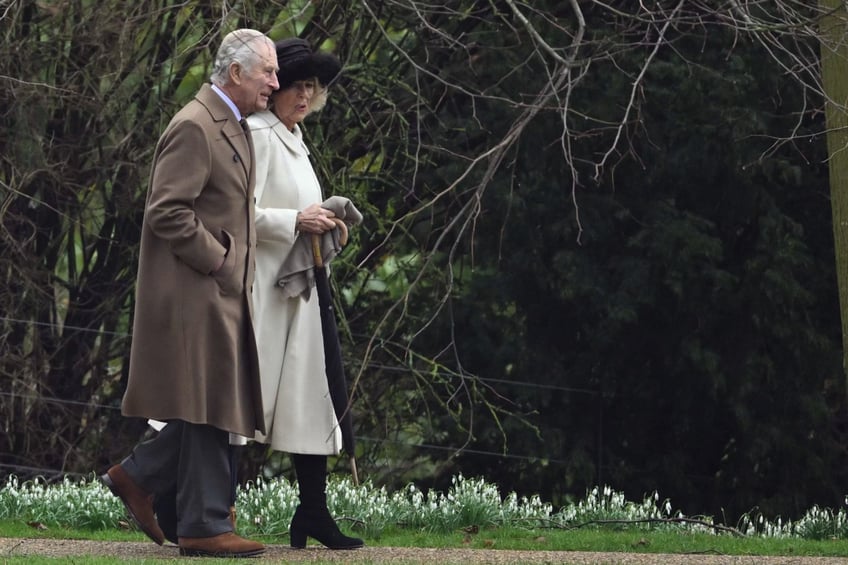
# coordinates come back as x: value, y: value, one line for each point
x: 165, y: 508
x: 223, y: 545
x: 138, y: 503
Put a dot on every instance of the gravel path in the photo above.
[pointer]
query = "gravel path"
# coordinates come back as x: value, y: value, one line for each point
x: 14, y: 547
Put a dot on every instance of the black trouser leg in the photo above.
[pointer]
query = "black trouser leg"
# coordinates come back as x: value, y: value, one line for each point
x: 151, y: 464
x: 203, y: 484
x: 235, y: 456
x: 165, y: 503
x: 187, y: 469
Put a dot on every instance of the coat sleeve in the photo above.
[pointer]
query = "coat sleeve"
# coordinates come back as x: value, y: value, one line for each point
x: 183, y: 165
x: 272, y: 224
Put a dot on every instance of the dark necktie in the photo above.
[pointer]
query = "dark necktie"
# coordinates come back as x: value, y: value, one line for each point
x: 243, y: 124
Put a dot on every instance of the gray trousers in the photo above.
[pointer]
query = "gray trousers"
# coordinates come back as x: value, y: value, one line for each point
x: 194, y: 460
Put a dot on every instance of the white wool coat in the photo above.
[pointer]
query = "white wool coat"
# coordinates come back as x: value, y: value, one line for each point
x: 298, y: 410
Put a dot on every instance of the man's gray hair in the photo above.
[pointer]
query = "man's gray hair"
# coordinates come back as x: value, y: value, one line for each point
x: 239, y: 46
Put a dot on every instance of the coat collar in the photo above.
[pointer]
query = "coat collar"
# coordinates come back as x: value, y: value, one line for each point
x: 293, y: 140
x: 217, y: 108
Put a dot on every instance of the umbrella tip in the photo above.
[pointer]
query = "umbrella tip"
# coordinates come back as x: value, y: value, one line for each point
x: 354, y: 471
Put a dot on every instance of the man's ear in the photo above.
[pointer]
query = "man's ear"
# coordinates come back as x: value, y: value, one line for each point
x: 235, y: 72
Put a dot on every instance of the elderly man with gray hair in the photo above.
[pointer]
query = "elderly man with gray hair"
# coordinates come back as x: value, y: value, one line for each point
x: 193, y: 362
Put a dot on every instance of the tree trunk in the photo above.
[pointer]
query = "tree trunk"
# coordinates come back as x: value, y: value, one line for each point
x: 834, y: 61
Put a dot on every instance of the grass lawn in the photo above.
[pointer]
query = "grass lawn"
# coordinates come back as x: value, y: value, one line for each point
x: 627, y: 540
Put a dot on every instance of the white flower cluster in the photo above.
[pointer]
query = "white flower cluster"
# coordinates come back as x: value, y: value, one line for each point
x: 606, y: 505
x: 816, y: 524
x: 266, y: 507
x: 80, y: 504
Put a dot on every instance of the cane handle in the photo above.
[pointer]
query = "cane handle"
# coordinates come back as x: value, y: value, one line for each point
x: 316, y: 241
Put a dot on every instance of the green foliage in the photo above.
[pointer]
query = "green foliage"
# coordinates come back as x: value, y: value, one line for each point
x: 687, y: 301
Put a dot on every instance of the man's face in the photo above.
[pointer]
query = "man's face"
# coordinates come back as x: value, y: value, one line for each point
x: 256, y: 84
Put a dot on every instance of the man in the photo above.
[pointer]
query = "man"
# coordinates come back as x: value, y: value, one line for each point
x: 193, y: 357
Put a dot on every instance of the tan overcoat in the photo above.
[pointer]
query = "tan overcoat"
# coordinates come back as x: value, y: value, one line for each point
x: 193, y: 354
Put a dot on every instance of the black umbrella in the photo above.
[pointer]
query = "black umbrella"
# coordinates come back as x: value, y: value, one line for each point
x: 332, y: 348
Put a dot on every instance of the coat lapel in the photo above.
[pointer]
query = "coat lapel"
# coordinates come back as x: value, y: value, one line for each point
x: 293, y: 141
x: 231, y: 130
x: 239, y: 140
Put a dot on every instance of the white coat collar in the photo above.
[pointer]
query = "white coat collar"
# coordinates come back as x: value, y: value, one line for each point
x: 293, y: 140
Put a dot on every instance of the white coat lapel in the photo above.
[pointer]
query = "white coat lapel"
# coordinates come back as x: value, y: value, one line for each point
x: 292, y: 140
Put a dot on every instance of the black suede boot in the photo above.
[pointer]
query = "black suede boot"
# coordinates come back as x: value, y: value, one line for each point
x: 312, y: 517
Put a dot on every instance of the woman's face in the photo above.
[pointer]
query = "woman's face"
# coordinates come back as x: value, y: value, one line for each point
x: 291, y: 104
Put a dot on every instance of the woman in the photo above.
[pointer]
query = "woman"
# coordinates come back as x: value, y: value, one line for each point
x: 299, y: 414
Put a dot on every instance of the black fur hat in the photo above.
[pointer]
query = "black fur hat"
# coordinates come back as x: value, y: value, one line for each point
x: 297, y: 62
